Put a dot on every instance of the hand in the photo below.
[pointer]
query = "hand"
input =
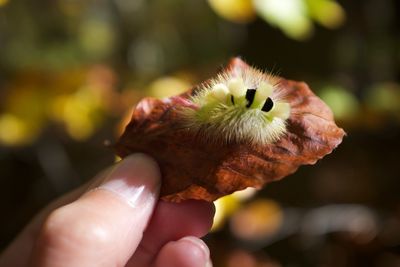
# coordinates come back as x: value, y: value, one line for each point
x: 116, y: 221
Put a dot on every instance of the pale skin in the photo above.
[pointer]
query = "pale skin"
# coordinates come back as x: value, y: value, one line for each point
x: 116, y: 220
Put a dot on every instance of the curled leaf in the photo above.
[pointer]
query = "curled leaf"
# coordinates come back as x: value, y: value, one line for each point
x: 200, y: 161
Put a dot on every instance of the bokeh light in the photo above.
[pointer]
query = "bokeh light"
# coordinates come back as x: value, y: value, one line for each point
x: 234, y: 10
x: 168, y: 86
x: 227, y: 205
x: 257, y: 220
x: 15, y: 131
x: 343, y: 104
x: 289, y: 15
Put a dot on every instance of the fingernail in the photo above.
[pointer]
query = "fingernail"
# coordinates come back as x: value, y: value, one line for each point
x: 200, y: 245
x: 136, y: 179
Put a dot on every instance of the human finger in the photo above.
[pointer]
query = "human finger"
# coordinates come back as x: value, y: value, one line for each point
x: 18, y: 251
x: 189, y: 251
x: 171, y: 222
x: 105, y: 225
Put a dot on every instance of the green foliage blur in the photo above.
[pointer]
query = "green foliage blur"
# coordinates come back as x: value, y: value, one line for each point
x: 71, y: 71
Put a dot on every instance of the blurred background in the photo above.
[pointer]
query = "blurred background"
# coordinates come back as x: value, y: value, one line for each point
x: 71, y: 71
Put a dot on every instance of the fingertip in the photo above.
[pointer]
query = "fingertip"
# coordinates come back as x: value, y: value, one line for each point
x: 188, y: 251
x: 135, y: 179
x: 195, y: 247
x: 144, y: 164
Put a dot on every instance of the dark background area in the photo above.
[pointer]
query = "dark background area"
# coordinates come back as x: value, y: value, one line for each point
x: 71, y: 70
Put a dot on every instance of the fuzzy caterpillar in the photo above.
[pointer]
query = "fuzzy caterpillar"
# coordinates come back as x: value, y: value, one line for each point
x: 241, y: 104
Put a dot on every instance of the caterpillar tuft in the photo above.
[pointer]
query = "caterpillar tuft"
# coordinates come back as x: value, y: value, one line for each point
x: 241, y: 104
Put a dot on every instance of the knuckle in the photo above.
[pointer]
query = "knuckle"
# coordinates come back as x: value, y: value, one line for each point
x: 64, y: 228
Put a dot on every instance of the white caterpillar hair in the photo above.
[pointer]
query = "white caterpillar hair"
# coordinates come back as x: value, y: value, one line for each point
x: 241, y: 104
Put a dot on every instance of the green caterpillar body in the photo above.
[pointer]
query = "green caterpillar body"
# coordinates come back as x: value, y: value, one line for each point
x: 241, y: 104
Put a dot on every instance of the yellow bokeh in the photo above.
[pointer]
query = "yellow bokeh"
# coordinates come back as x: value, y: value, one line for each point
x: 3, y: 2
x: 327, y: 12
x: 227, y: 205
x: 78, y: 112
x: 224, y: 207
x: 257, y: 220
x: 240, y: 11
x: 15, y: 131
x: 168, y: 86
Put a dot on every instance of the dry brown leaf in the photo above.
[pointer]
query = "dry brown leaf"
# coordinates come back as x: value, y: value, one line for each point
x: 193, y: 168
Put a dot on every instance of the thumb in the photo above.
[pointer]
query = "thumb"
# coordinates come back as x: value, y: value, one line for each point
x: 105, y: 225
